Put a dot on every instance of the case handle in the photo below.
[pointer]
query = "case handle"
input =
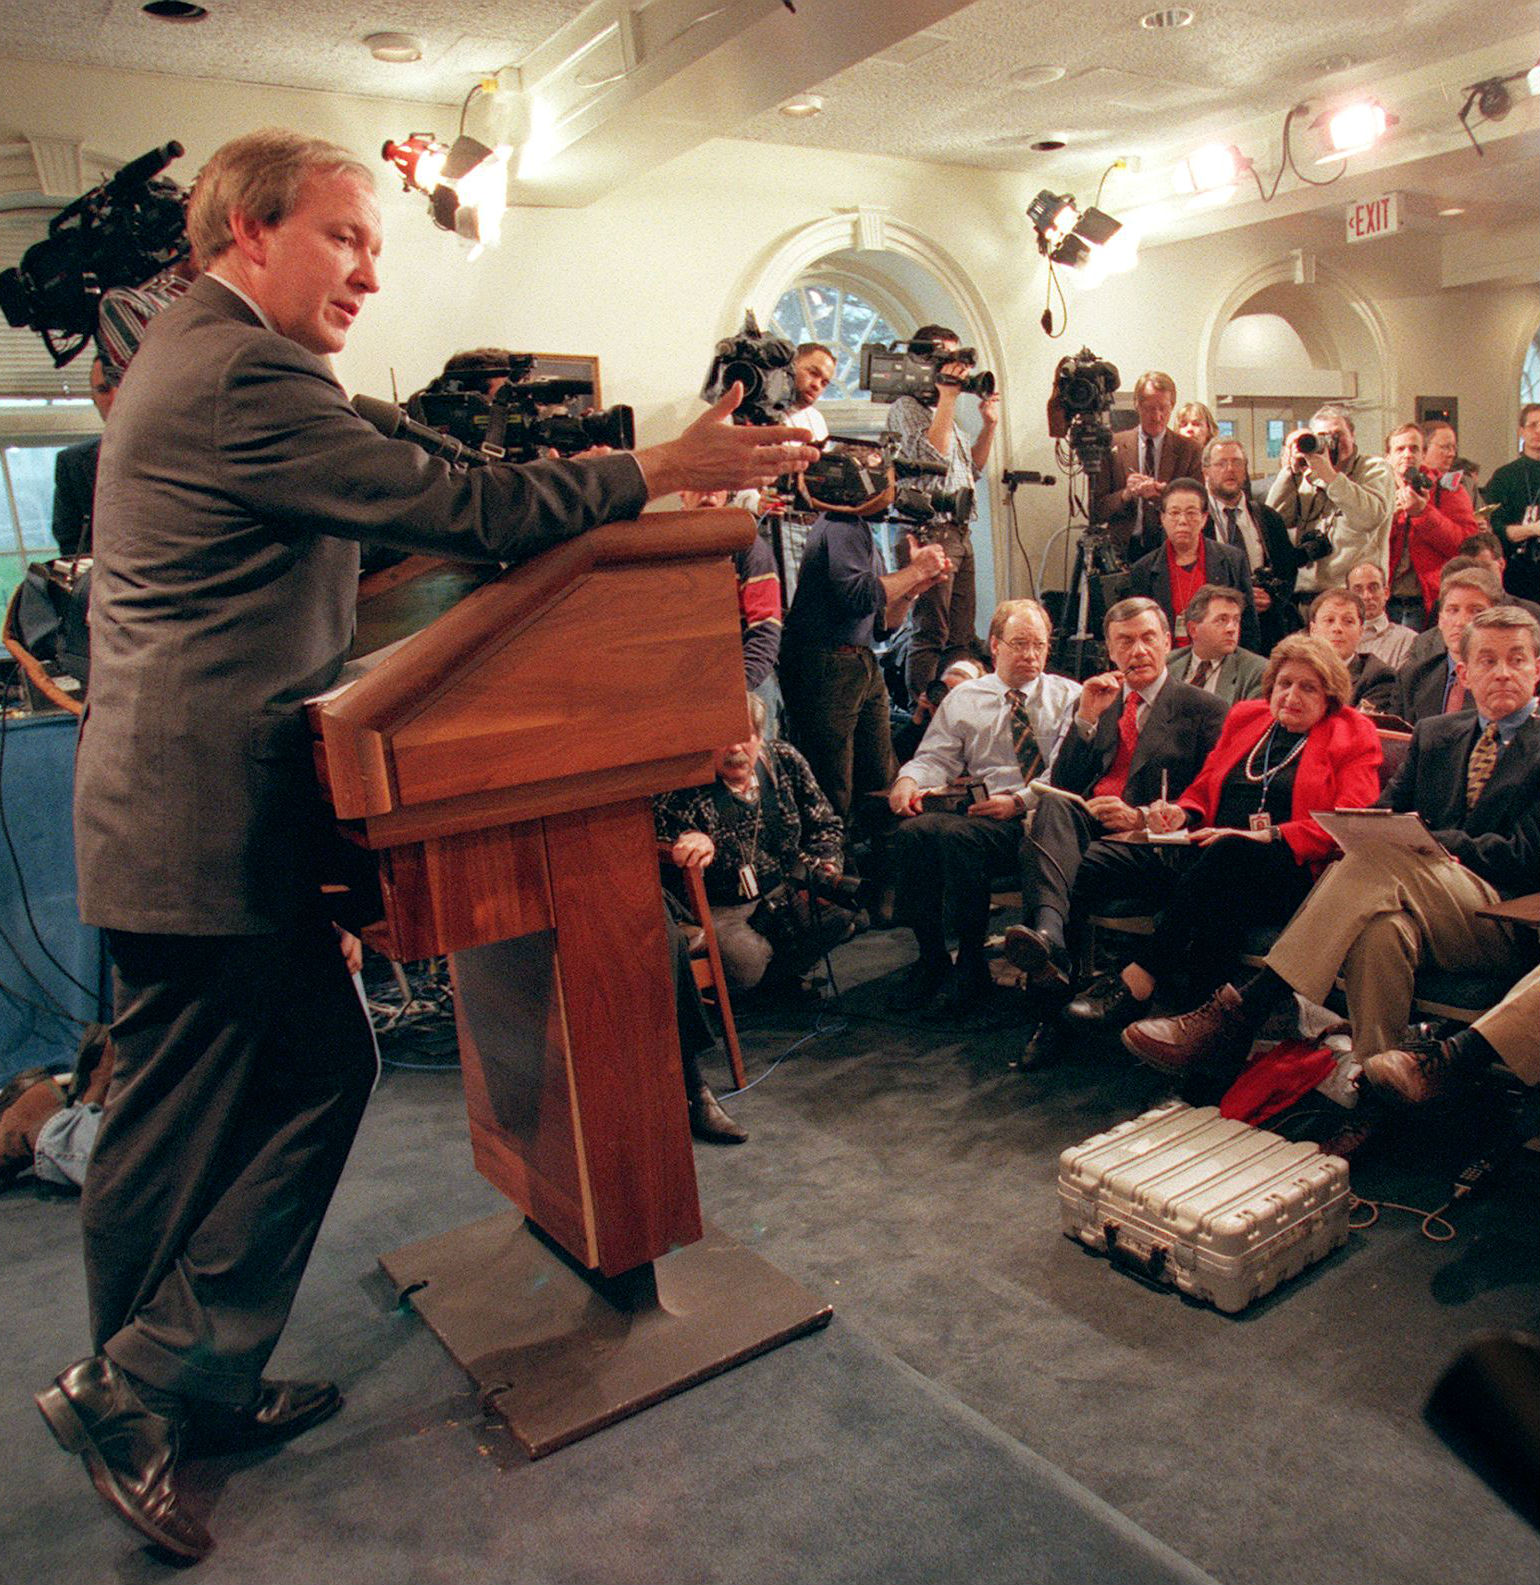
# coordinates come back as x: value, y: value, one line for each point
x: 1151, y: 1266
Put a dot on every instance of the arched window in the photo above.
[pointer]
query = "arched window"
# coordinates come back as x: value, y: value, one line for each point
x: 824, y: 310
x: 1529, y: 380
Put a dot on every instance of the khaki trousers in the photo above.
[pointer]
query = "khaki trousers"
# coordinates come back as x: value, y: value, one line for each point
x: 1512, y: 1028
x: 1375, y: 920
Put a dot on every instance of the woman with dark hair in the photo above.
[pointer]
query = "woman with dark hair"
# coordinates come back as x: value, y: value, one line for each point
x: 1243, y: 849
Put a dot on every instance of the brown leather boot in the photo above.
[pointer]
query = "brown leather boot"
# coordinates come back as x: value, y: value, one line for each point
x: 1218, y: 1030
x: 26, y: 1103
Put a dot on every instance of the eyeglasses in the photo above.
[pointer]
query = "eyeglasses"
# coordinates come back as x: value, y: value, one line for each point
x: 1174, y: 514
x: 1026, y: 646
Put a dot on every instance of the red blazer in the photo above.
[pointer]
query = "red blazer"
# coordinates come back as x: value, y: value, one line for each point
x: 1339, y: 768
x: 1447, y: 520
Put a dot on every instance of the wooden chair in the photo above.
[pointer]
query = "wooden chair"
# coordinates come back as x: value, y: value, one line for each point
x: 706, y: 962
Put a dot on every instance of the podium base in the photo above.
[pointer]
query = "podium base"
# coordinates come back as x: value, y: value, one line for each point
x: 560, y: 1352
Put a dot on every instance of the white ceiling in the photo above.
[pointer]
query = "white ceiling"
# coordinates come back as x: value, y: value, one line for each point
x: 631, y: 82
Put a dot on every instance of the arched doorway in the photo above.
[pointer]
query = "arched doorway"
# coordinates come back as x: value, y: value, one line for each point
x: 1289, y: 337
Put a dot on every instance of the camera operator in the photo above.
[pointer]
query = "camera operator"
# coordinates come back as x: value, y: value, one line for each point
x: 755, y: 832
x: 926, y: 431
x: 812, y: 370
x: 1143, y: 460
x: 224, y: 592
x: 1335, y: 501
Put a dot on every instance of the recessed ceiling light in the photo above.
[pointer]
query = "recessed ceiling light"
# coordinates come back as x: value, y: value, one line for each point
x: 398, y: 48
x: 1047, y: 145
x: 801, y: 106
x: 174, y: 11
x: 1172, y: 17
x: 1454, y: 209
x: 1332, y: 63
x: 1035, y: 76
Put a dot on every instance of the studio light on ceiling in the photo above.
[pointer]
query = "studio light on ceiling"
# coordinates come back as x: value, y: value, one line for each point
x: 1353, y: 128
x: 1491, y: 99
x: 467, y: 180
x: 1214, y: 168
x: 1066, y: 234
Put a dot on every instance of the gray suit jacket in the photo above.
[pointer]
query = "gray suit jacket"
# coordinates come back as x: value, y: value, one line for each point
x: 235, y: 483
x: 1240, y: 674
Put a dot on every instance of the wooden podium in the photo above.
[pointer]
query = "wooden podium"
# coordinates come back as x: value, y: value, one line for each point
x: 501, y: 763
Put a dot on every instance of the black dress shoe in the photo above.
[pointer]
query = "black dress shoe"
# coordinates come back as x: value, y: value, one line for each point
x: 709, y: 1122
x: 282, y: 1409
x: 1107, y: 1003
x: 129, y: 1453
x: 1043, y: 961
x: 920, y: 985
x: 966, y: 989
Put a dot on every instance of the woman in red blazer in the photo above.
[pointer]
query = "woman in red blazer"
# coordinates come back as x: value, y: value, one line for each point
x: 1252, y: 850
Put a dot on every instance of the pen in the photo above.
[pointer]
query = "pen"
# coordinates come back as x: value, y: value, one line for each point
x: 1164, y: 786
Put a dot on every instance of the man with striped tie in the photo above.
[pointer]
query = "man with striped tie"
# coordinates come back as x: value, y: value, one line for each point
x: 997, y: 734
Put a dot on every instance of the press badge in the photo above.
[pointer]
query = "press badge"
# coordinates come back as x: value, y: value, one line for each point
x: 747, y: 885
x: 1181, y: 624
x: 1262, y: 822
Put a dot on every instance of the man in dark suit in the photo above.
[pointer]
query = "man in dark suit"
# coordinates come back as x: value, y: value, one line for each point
x: 1187, y: 560
x: 1126, y: 497
x: 1336, y: 617
x: 235, y: 484
x: 74, y: 476
x: 1213, y: 659
x: 1138, y: 734
x: 1429, y: 683
x: 1235, y: 519
x: 1379, y: 913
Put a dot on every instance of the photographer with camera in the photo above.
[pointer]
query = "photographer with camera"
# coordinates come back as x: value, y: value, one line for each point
x: 224, y: 592
x: 761, y: 832
x: 1426, y: 528
x: 1142, y: 461
x: 924, y: 427
x: 1335, y: 501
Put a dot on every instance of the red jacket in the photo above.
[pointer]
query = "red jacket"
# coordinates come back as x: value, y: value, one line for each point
x: 1339, y: 768
x: 1446, y: 520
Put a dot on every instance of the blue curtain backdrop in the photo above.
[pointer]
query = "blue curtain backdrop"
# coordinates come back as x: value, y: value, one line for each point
x: 42, y: 1007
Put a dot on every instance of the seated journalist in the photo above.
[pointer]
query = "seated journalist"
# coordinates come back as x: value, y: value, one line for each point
x: 1136, y: 733
x: 1213, y: 659
x: 1430, y: 683
x: 235, y: 486
x: 1253, y: 851
x: 759, y: 825
x: 1474, y: 778
x: 1002, y: 731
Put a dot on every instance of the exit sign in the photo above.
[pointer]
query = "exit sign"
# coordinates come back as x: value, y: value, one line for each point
x: 1373, y: 217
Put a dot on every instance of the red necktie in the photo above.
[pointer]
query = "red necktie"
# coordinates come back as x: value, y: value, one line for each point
x: 1112, y: 784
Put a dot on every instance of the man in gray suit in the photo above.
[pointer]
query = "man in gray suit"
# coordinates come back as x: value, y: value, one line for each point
x: 235, y: 485
x: 1214, y: 660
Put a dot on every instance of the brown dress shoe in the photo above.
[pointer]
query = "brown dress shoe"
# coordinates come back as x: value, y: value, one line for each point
x: 26, y: 1103
x: 1043, y: 962
x: 710, y: 1123
x: 1217, y: 1030
x: 129, y: 1452
x: 1416, y: 1073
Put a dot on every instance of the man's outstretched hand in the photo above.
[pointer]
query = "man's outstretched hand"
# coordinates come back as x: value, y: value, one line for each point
x: 716, y: 454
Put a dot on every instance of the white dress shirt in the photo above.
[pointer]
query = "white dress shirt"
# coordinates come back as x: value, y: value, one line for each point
x: 971, y: 733
x: 1388, y: 641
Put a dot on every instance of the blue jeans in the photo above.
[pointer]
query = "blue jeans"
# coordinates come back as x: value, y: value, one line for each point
x: 64, y: 1145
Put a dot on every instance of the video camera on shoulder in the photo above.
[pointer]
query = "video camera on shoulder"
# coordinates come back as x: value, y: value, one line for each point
x: 913, y: 368
x: 866, y: 478
x: 928, y: 509
x: 525, y: 419
x: 124, y: 232
x: 762, y: 365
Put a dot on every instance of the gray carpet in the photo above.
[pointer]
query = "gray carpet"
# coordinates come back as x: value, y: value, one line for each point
x: 982, y: 1379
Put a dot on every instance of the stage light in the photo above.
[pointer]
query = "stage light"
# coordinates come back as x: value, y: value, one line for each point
x: 1212, y: 168
x: 1066, y: 234
x: 1353, y: 128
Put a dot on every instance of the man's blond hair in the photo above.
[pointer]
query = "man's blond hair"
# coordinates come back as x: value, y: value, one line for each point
x: 261, y: 174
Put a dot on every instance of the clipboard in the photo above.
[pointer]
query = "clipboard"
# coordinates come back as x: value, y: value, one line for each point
x: 1380, y: 830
